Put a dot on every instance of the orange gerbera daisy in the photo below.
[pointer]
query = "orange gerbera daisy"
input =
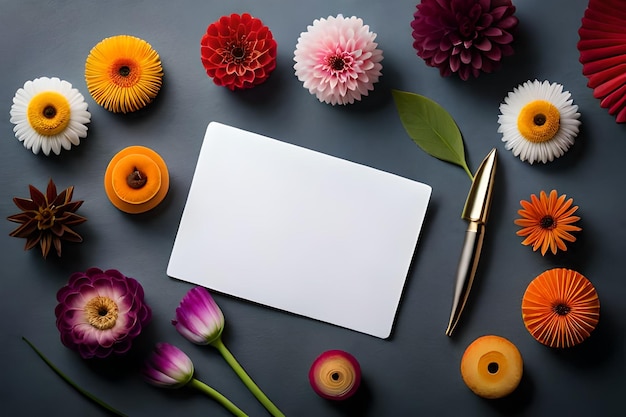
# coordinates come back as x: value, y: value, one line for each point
x: 123, y: 73
x: 547, y: 222
x: 560, y: 308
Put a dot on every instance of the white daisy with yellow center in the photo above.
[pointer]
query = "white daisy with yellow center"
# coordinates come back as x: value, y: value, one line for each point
x: 538, y: 121
x: 49, y: 115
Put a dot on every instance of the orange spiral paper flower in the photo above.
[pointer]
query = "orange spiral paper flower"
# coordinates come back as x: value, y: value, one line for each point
x: 335, y: 375
x: 123, y: 73
x: 560, y: 308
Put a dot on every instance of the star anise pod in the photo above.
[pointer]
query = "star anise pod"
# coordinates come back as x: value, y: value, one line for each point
x: 47, y: 219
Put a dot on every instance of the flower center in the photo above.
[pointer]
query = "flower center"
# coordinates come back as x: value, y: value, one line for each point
x: 49, y: 113
x: 101, y: 312
x: 561, y: 309
x: 547, y: 222
x: 493, y: 367
x: 339, y: 63
x: 466, y: 28
x: 336, y: 63
x: 136, y: 179
x: 236, y: 52
x: 45, y: 217
x: 539, y: 121
x: 125, y: 72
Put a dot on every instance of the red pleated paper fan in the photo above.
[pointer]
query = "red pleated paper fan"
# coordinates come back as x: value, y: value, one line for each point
x: 602, y: 47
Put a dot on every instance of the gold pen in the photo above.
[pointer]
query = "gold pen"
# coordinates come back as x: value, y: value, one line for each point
x: 476, y: 211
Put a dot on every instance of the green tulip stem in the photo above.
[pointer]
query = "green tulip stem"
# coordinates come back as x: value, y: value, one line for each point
x: 201, y: 386
x: 256, y: 391
x: 73, y: 384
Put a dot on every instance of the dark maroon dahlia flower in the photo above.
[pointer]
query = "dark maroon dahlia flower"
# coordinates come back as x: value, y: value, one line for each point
x: 101, y: 312
x: 465, y: 37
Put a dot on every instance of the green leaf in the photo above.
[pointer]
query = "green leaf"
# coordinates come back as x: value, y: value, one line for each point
x: 82, y: 391
x: 431, y: 127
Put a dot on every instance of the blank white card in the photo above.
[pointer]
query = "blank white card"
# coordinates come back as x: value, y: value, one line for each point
x: 298, y: 230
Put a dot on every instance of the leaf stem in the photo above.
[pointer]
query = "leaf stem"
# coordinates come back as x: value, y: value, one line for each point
x: 245, y: 378
x: 201, y: 386
x: 73, y: 384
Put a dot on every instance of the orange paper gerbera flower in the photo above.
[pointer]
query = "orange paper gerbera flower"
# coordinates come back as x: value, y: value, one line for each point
x: 547, y: 222
x: 123, y: 73
x: 560, y: 308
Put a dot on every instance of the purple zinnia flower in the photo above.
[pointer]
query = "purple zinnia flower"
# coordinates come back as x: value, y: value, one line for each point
x: 101, y: 312
x: 464, y: 36
x: 168, y: 367
x: 198, y: 317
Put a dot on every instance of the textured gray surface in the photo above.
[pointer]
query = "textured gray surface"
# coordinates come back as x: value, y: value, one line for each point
x: 416, y: 371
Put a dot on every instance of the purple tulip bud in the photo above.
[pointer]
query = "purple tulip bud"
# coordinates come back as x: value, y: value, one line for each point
x: 168, y: 367
x: 198, y: 317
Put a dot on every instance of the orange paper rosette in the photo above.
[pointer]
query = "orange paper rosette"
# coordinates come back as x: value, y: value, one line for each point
x: 136, y: 180
x: 560, y: 308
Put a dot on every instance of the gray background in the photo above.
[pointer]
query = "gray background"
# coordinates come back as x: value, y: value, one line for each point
x: 416, y: 371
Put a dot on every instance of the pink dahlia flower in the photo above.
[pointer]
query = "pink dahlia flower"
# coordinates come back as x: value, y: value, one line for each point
x: 238, y: 51
x: 465, y: 37
x: 338, y: 60
x: 101, y: 312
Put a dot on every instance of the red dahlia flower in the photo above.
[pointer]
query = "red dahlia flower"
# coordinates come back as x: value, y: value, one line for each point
x: 466, y: 37
x: 238, y: 51
x: 101, y: 312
